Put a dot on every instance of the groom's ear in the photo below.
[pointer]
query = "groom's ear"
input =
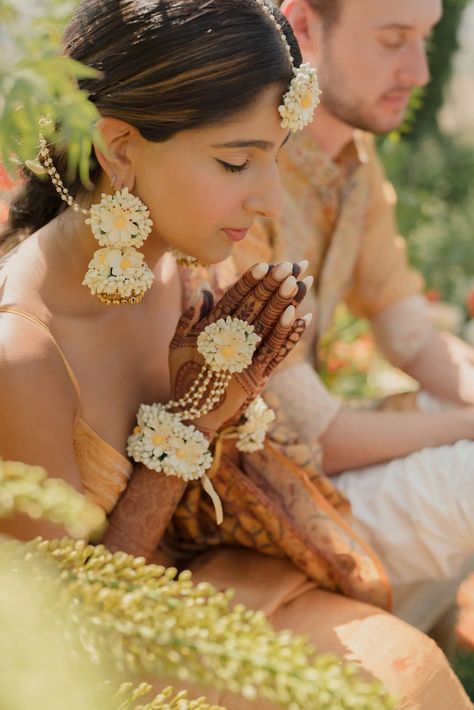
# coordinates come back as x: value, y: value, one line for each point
x: 307, y: 26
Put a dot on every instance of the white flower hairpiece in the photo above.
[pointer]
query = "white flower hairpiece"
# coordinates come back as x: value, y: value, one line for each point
x: 303, y: 93
x: 251, y: 433
x: 228, y: 345
x: 301, y: 99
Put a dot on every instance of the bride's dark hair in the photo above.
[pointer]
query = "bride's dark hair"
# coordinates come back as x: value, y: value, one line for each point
x: 165, y: 66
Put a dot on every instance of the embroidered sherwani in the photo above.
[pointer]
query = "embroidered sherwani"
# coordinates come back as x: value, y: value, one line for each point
x: 339, y: 215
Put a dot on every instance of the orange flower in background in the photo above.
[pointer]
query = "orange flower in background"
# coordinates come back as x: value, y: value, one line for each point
x: 358, y: 354
x: 3, y: 212
x: 470, y: 302
x: 6, y: 182
x: 333, y: 364
x: 433, y: 295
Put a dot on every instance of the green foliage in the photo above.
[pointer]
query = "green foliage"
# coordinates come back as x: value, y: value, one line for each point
x: 28, y: 490
x: 464, y: 667
x: 434, y: 180
x: 137, y: 619
x: 43, y: 661
x: 441, y: 49
x: 148, y: 620
x: 36, y: 81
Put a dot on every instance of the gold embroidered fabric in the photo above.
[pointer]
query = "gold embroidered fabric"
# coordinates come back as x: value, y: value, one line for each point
x: 279, y: 503
x: 104, y: 471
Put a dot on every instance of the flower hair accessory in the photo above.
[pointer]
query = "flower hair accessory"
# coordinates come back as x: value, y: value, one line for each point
x: 161, y: 441
x: 301, y: 99
x: 302, y: 96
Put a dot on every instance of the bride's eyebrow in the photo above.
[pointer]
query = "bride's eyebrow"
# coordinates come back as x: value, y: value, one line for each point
x: 261, y: 145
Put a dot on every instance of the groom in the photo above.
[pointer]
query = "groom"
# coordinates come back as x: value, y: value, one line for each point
x: 339, y: 214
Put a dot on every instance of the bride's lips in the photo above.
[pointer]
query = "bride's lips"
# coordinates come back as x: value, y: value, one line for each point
x: 236, y: 235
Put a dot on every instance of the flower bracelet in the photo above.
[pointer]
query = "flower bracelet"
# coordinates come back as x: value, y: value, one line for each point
x: 164, y: 444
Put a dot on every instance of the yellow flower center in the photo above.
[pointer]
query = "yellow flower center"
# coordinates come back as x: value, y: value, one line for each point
x: 158, y: 439
x: 180, y: 454
x: 125, y: 264
x: 120, y: 222
x: 306, y: 101
x: 227, y: 351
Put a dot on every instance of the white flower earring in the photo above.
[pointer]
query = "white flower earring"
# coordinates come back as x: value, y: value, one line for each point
x: 117, y: 273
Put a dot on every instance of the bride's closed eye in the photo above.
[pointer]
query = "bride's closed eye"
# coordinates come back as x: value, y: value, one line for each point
x: 232, y: 168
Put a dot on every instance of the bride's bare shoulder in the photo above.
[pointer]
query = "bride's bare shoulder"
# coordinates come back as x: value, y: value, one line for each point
x: 32, y: 373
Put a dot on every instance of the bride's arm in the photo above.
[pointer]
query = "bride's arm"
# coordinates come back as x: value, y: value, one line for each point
x: 141, y: 515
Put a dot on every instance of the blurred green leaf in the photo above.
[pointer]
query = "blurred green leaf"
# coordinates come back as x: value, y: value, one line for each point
x: 37, y: 81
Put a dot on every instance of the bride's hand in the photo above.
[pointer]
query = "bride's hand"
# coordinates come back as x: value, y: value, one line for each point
x: 265, y: 297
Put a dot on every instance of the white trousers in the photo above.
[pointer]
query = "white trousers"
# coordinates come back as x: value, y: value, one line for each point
x: 417, y: 513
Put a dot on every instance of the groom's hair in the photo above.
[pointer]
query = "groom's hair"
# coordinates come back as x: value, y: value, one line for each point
x: 328, y: 10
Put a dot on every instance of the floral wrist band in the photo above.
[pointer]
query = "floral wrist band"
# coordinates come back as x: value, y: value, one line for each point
x: 164, y: 444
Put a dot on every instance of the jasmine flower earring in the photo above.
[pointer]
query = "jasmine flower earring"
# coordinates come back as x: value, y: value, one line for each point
x: 117, y: 273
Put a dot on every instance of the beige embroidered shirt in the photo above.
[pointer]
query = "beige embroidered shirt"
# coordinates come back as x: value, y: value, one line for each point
x: 340, y: 216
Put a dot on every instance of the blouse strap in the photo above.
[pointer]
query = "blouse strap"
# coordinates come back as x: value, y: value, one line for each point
x: 43, y: 326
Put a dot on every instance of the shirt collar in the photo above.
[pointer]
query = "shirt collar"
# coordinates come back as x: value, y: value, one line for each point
x: 323, y: 172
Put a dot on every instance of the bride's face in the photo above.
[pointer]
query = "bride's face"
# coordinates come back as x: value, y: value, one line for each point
x: 205, y: 187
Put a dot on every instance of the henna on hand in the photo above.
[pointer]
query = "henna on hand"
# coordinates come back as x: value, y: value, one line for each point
x: 264, y: 297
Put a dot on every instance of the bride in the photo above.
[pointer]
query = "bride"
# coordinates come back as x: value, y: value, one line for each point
x: 99, y: 317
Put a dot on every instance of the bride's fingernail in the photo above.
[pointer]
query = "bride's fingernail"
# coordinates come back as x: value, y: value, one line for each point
x: 308, y: 282
x: 259, y: 271
x: 288, y: 316
x: 283, y: 270
x: 303, y: 265
x: 307, y: 318
x: 288, y: 287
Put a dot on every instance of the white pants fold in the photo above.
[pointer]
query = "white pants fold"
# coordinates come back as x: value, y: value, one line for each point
x: 417, y: 513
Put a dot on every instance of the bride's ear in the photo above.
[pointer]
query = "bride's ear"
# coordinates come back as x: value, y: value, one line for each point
x: 116, y: 150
